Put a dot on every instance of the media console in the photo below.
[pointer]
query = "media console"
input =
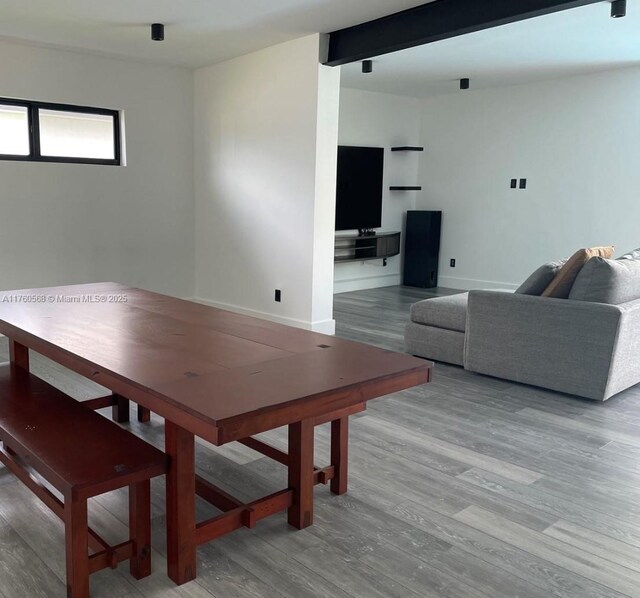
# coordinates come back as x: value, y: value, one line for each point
x: 356, y: 248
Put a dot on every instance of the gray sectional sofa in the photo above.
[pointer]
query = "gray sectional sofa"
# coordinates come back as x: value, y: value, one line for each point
x: 586, y: 345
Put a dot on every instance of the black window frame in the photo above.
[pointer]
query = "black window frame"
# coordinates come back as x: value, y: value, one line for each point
x: 35, y: 154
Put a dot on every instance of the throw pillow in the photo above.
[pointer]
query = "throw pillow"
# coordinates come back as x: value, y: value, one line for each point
x: 632, y: 255
x: 608, y: 281
x: 540, y: 279
x: 560, y: 286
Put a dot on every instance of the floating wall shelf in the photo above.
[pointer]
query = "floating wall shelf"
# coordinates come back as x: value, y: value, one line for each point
x: 407, y: 148
x: 355, y: 248
x: 405, y: 188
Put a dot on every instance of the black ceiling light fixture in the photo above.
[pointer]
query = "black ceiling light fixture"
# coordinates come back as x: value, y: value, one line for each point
x: 618, y: 9
x: 464, y: 83
x: 157, y: 32
x: 367, y: 66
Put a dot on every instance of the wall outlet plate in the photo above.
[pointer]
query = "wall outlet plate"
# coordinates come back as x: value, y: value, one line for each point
x: 452, y: 263
x: 278, y: 296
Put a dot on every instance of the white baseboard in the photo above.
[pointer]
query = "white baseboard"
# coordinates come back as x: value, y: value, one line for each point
x: 470, y: 284
x: 322, y: 326
x: 365, y: 282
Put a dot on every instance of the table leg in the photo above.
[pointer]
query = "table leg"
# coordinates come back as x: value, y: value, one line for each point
x: 144, y: 415
x: 340, y: 454
x: 181, y: 503
x: 19, y: 354
x: 120, y: 410
x: 301, y: 473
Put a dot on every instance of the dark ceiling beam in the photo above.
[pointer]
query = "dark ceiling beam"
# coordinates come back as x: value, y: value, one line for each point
x: 432, y: 22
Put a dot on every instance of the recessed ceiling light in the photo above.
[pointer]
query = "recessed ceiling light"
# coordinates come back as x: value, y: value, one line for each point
x: 618, y: 9
x: 157, y: 32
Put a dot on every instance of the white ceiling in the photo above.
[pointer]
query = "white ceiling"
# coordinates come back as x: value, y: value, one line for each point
x: 577, y: 41
x: 198, y: 32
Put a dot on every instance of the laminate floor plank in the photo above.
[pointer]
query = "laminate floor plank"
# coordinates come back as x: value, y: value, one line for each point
x: 491, y: 580
x: 277, y: 570
x: 573, y: 467
x: 597, y: 544
x: 621, y: 449
x: 614, y: 430
x: 568, y: 507
x: 413, y: 446
x: 446, y: 495
x: 417, y: 575
x: 22, y: 573
x: 519, y: 423
x: 357, y: 578
x: 591, y: 567
x: 554, y: 579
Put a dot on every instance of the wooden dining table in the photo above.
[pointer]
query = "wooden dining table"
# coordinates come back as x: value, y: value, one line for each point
x: 214, y: 374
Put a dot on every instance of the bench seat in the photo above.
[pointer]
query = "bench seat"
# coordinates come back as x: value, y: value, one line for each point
x: 81, y: 454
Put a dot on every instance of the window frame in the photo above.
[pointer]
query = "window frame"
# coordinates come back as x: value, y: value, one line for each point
x: 33, y: 116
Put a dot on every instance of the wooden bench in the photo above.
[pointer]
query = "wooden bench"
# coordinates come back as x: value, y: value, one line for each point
x: 81, y: 454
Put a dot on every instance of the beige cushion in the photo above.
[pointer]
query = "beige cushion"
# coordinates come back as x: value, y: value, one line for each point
x: 560, y: 286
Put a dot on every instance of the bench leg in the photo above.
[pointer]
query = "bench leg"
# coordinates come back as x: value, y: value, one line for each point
x: 120, y: 410
x: 77, y: 548
x: 144, y: 415
x: 140, y: 528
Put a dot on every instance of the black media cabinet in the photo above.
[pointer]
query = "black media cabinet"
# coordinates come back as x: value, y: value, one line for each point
x: 354, y: 248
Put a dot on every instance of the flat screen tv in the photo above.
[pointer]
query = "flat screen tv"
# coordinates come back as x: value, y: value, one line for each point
x: 359, y: 188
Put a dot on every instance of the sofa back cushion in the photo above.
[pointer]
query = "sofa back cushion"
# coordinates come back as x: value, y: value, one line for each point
x: 561, y: 285
x: 631, y: 255
x: 540, y: 279
x: 608, y: 281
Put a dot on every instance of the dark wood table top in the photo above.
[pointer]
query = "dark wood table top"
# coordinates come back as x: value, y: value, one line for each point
x: 206, y: 369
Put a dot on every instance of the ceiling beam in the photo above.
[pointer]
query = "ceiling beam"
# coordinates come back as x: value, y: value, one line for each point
x: 432, y: 22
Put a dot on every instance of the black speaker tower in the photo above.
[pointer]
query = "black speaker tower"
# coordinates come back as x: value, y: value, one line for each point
x: 422, y: 248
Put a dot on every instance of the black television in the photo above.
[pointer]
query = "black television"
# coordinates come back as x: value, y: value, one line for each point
x: 359, y: 187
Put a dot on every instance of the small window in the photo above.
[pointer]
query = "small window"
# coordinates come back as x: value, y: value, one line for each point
x: 14, y: 130
x: 42, y: 132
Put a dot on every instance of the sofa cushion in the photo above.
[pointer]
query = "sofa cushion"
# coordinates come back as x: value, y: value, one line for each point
x: 434, y: 343
x: 540, y: 279
x: 448, y: 312
x: 608, y: 281
x: 560, y: 286
x: 631, y: 255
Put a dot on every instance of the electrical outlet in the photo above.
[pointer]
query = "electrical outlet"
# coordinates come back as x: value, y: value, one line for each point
x: 278, y: 295
x: 514, y: 183
x: 523, y: 183
x: 452, y: 263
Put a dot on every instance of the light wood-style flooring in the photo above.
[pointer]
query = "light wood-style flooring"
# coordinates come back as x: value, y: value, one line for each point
x: 468, y: 487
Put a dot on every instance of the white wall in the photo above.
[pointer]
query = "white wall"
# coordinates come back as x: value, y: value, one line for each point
x: 72, y: 223
x: 381, y: 120
x: 575, y: 140
x: 265, y: 151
